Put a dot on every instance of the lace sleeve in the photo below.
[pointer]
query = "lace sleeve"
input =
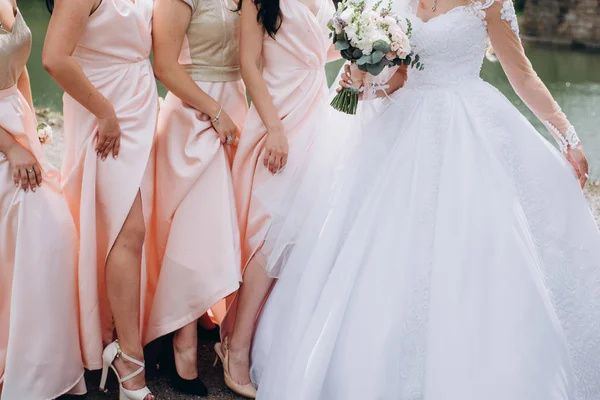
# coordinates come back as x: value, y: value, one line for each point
x: 503, y: 31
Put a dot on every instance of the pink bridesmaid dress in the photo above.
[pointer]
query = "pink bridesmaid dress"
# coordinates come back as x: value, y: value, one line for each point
x: 294, y: 71
x: 40, y: 356
x: 113, y: 53
x: 197, y: 237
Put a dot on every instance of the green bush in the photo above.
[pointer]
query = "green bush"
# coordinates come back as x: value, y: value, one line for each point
x: 520, y: 5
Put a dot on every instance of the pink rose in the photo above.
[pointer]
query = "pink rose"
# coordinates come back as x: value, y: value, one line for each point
x: 395, y: 47
x: 391, y: 55
x: 402, y: 54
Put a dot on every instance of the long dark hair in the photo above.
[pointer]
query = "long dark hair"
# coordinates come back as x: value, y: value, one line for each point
x: 269, y: 14
x: 50, y: 5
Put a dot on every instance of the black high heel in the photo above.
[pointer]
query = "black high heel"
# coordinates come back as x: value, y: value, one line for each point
x: 193, y: 387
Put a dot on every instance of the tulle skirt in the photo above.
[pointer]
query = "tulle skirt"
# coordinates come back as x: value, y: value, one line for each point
x: 448, y: 254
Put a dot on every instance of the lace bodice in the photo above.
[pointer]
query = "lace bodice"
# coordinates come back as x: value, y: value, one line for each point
x: 452, y: 47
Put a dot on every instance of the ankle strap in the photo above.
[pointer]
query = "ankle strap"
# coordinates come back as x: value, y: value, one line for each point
x: 134, y: 361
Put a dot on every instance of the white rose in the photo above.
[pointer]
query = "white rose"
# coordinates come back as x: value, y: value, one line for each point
x: 346, y: 15
x: 365, y: 45
x: 389, y: 20
x: 350, y: 32
x: 405, y: 44
x: 369, y: 15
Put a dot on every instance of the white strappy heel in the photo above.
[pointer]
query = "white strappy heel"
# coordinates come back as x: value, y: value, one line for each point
x: 112, y: 352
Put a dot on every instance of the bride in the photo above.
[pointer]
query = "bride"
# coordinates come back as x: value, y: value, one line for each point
x: 450, y: 253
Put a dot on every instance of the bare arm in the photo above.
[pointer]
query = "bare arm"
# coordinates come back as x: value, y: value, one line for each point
x: 170, y: 22
x: 251, y: 44
x: 7, y: 142
x: 64, y: 32
x: 24, y: 87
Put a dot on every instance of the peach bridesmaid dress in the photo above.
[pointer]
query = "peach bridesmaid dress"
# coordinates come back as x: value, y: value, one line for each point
x: 40, y: 356
x: 294, y: 70
x: 113, y: 52
x: 197, y: 237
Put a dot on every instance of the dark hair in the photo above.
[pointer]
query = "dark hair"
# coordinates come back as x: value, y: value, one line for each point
x: 269, y: 14
x: 50, y: 5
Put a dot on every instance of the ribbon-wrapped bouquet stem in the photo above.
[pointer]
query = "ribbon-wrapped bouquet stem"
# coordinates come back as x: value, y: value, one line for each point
x: 371, y: 38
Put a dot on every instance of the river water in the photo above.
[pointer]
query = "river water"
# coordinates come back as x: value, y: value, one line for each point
x: 573, y: 77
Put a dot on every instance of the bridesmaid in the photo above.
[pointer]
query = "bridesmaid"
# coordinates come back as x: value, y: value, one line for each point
x: 40, y: 357
x: 97, y: 51
x: 292, y: 40
x: 195, y: 219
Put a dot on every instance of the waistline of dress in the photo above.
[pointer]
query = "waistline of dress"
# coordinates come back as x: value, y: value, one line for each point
x: 10, y: 91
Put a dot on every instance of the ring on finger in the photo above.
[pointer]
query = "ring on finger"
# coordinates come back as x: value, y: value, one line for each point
x: 30, y: 170
x: 230, y: 139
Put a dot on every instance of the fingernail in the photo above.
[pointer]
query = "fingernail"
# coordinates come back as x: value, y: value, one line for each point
x: 33, y: 189
x: 115, y: 157
x: 26, y: 189
x: 104, y: 158
x: 16, y: 185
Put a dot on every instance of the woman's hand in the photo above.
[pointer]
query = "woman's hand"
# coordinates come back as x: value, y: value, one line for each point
x: 109, y: 137
x: 578, y: 160
x: 225, y: 127
x: 351, y: 76
x: 25, y: 169
x: 276, y: 150
x: 396, y: 82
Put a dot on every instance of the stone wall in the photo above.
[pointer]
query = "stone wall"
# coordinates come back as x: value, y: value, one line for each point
x: 569, y: 22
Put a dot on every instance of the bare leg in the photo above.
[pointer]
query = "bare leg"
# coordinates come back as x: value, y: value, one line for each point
x: 252, y: 294
x: 185, y: 348
x: 123, y: 289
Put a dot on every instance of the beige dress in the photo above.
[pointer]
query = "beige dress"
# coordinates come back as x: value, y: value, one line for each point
x: 196, y: 226
x: 40, y: 356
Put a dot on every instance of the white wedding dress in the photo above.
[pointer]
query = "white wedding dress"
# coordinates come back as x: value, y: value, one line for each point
x: 450, y: 253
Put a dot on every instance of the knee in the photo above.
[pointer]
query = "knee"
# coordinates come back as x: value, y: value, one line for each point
x: 133, y: 235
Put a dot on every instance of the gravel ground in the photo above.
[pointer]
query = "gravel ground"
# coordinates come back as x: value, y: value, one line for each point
x: 212, y: 376
x: 158, y: 382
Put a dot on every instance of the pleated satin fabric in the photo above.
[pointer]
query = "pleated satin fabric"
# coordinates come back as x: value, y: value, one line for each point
x: 113, y: 53
x: 294, y: 70
x: 40, y: 356
x: 196, y: 227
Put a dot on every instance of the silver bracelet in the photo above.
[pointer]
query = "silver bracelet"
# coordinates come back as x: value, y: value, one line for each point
x: 215, y: 120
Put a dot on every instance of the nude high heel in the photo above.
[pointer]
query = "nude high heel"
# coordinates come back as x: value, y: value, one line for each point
x: 112, y: 352
x: 247, y: 390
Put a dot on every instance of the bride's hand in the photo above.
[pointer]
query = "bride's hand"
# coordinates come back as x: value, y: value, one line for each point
x: 579, y: 162
x: 346, y: 82
x: 349, y: 77
x: 276, y: 150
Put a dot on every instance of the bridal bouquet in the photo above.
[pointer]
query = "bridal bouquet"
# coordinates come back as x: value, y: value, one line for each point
x: 44, y: 132
x: 372, y: 38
